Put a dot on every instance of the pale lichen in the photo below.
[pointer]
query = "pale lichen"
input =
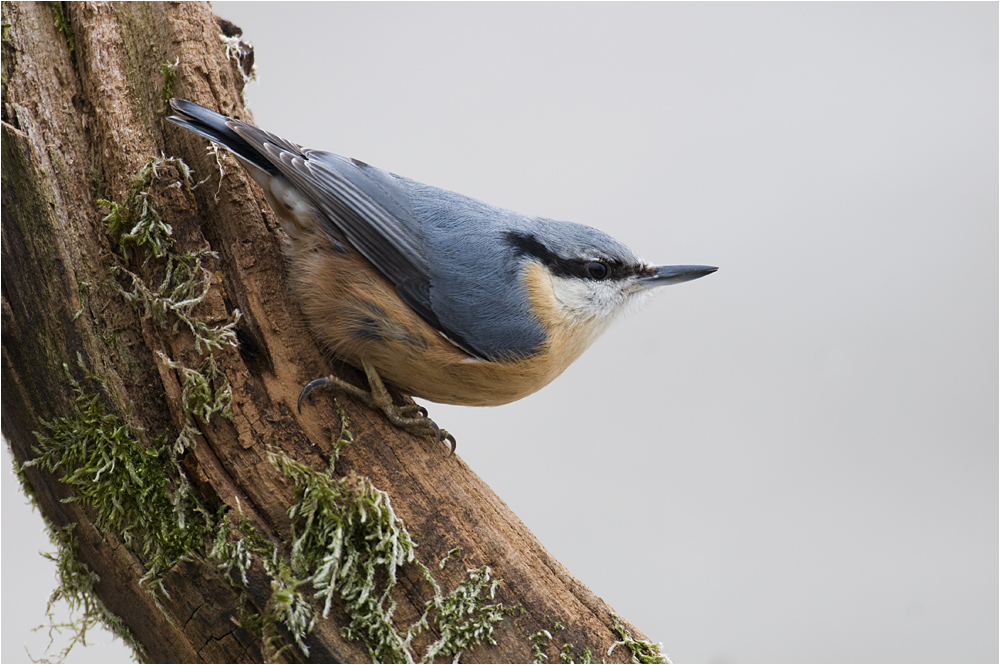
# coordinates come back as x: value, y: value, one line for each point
x: 241, y: 52
x: 348, y: 545
x: 138, y: 220
x: 141, y: 492
x: 642, y: 651
x: 541, y: 640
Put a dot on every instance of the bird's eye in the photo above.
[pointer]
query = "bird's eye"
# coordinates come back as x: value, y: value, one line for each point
x: 597, y: 270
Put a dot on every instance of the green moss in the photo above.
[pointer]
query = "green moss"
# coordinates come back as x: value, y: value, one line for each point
x: 169, y: 73
x: 205, y: 392
x: 63, y: 25
x: 348, y: 544
x: 541, y: 640
x: 642, y: 651
x: 566, y: 655
x: 138, y: 221
x: 76, y: 590
x: 232, y: 555
x: 201, y: 399
x: 186, y: 282
x: 141, y: 494
x: 99, y: 456
x: 454, y: 553
x: 4, y: 39
x: 464, y: 618
x: 286, y: 605
x: 171, y: 304
x: 343, y: 533
x: 345, y: 438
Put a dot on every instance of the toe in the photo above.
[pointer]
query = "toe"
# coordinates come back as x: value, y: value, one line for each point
x: 309, y: 387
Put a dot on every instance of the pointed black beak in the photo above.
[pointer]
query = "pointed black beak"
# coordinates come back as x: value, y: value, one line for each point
x: 664, y: 275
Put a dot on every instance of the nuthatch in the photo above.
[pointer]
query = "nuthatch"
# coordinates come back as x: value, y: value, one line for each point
x: 446, y: 297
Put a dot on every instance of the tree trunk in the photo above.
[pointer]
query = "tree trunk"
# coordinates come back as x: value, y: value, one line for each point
x: 222, y: 525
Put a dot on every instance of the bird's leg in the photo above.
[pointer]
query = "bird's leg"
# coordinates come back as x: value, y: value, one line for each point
x: 401, y: 416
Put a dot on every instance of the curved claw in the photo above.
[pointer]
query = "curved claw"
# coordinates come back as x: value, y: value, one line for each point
x: 309, y: 387
x: 379, y: 398
x: 434, y: 428
x: 454, y: 443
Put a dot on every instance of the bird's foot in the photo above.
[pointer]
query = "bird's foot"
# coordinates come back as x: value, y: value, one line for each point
x: 410, y: 417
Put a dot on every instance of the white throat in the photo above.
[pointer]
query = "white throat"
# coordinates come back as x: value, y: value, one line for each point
x: 589, y: 304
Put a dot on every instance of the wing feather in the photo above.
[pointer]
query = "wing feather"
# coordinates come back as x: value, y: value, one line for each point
x: 369, y: 209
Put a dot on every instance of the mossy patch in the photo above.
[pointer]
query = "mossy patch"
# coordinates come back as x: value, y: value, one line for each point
x: 234, y: 548
x: 172, y: 304
x: 541, y: 640
x: 567, y: 654
x: 643, y: 651
x: 137, y: 221
x: 63, y: 25
x: 137, y: 490
x: 205, y: 392
x: 349, y: 546
x: 169, y: 73
x: 348, y: 543
x: 76, y: 590
x: 186, y: 282
x: 100, y: 457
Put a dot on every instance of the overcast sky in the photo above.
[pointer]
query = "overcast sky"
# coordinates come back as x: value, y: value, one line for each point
x: 793, y: 459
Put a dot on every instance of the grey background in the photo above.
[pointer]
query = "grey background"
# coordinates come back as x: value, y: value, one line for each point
x: 794, y: 459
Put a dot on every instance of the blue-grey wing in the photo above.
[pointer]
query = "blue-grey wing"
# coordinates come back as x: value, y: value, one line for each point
x: 371, y: 216
x: 451, y: 280
x: 476, y: 284
x: 363, y: 205
x: 443, y: 252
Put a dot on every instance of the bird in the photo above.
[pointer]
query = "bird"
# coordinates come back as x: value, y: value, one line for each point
x: 443, y: 296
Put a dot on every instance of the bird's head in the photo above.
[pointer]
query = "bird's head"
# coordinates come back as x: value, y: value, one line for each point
x: 579, y: 279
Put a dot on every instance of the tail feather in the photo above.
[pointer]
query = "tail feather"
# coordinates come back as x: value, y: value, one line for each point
x: 217, y: 128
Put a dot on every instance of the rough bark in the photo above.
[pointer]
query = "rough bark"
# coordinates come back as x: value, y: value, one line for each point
x: 83, y: 112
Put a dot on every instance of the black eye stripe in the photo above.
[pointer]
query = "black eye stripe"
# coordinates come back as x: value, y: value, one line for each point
x: 527, y: 244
